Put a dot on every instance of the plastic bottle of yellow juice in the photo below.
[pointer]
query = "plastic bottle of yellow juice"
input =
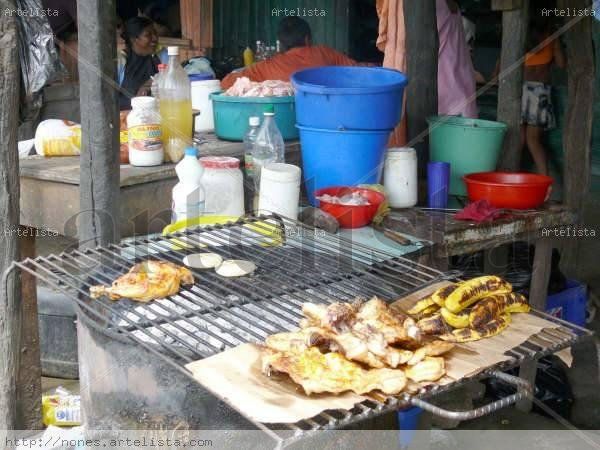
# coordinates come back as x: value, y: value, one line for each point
x: 176, y: 108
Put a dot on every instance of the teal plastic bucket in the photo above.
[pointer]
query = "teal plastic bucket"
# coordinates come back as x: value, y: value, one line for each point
x: 469, y: 145
x: 231, y: 115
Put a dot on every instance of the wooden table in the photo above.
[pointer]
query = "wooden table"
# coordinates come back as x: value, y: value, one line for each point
x: 450, y: 237
x: 50, y: 191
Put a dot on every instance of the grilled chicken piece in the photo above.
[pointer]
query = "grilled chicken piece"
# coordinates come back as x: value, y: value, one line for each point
x: 396, y: 327
x: 146, y: 281
x: 336, y: 317
x: 434, y: 348
x: 430, y: 369
x: 331, y: 372
x: 350, y: 345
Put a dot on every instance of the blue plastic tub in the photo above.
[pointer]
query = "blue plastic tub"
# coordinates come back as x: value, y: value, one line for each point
x: 570, y: 304
x: 351, y: 98
x: 341, y: 158
x: 231, y: 115
x: 408, y: 420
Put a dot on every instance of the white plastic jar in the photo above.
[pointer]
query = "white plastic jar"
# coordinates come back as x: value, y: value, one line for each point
x: 279, y: 190
x: 400, y: 177
x: 145, y: 133
x: 223, y: 184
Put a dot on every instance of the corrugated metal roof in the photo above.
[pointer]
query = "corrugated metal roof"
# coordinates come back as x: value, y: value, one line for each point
x: 238, y: 23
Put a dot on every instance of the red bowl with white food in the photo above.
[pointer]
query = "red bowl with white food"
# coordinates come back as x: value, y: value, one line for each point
x: 350, y: 216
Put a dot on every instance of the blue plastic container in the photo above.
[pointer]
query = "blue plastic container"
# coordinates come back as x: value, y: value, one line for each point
x: 351, y: 98
x: 341, y: 158
x: 231, y: 115
x: 408, y: 420
x: 570, y: 304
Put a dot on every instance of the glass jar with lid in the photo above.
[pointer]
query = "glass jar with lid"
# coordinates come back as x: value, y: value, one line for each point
x: 223, y: 184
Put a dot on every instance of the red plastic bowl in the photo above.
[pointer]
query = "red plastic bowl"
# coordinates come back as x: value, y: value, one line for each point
x: 349, y: 216
x: 514, y: 190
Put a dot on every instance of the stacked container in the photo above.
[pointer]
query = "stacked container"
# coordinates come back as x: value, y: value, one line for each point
x: 345, y: 116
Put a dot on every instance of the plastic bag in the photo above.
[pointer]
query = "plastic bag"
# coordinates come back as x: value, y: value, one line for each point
x: 199, y: 65
x: 61, y: 409
x: 40, y: 63
x: 54, y: 137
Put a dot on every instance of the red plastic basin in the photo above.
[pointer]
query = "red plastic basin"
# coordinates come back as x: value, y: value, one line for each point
x: 514, y: 190
x: 349, y: 216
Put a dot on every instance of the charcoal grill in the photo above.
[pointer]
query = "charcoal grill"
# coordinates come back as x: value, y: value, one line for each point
x: 295, y: 264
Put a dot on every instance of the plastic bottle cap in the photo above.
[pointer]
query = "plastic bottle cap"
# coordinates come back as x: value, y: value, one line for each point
x: 220, y: 162
x: 143, y: 102
x: 269, y: 110
x: 254, y: 121
x: 162, y: 66
x: 191, y: 151
x: 172, y: 50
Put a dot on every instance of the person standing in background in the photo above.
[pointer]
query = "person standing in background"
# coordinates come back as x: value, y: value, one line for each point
x: 537, y: 112
x: 456, y: 75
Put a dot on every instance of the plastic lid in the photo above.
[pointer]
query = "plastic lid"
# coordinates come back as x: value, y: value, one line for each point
x: 269, y: 110
x: 173, y: 50
x: 143, y: 102
x: 162, y: 66
x: 254, y: 121
x: 281, y: 172
x: 401, y: 152
x: 200, y: 76
x: 191, y: 151
x: 220, y: 162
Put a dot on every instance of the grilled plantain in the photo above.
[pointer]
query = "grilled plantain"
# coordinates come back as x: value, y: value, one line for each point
x: 421, y: 306
x: 460, y: 320
x: 433, y: 325
x: 491, y: 307
x: 473, y: 290
x: 430, y: 369
x: 434, y: 348
x: 490, y: 329
x: 439, y: 297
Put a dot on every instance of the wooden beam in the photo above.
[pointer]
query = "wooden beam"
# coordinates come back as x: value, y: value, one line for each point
x: 29, y: 388
x: 577, y: 130
x: 510, y: 83
x: 196, y: 22
x: 99, y: 161
x: 505, y: 5
x: 10, y: 304
x: 421, y: 67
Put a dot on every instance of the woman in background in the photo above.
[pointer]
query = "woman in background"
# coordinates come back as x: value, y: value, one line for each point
x: 537, y: 114
x: 140, y: 60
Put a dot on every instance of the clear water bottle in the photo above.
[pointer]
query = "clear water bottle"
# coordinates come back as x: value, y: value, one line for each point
x: 249, y: 140
x: 157, y: 81
x: 268, y: 147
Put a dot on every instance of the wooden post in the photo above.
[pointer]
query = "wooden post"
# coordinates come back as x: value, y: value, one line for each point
x: 584, y: 373
x: 577, y: 130
x: 99, y: 163
x: 421, y: 67
x: 196, y: 25
x: 510, y: 82
x: 10, y: 304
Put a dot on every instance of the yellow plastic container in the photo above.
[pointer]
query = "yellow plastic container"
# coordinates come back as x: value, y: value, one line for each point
x: 273, y: 234
x: 248, y: 56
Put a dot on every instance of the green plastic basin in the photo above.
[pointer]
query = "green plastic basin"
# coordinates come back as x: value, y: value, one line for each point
x: 469, y: 145
x: 231, y: 115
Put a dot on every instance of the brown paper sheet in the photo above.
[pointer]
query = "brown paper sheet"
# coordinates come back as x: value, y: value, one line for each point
x: 235, y: 375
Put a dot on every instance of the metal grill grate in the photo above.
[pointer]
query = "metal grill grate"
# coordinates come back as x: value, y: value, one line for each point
x: 295, y: 264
